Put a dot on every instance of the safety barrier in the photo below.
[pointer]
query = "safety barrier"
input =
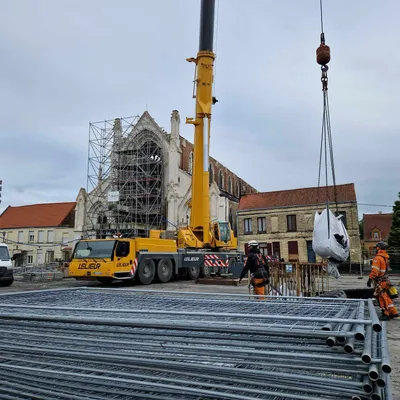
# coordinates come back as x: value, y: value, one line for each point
x: 298, y: 279
x: 36, y: 273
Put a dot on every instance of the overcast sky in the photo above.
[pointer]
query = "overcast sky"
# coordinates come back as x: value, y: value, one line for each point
x: 65, y: 63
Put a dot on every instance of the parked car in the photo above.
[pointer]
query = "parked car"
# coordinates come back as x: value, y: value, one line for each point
x: 6, y: 267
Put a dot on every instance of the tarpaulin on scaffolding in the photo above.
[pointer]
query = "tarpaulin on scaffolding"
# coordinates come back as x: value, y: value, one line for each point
x: 331, y: 240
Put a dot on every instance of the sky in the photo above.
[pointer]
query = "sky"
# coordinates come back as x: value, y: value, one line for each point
x: 65, y: 63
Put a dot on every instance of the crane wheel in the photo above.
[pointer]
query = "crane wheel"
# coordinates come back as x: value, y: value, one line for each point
x: 146, y: 271
x: 205, y: 271
x: 193, y: 273
x: 164, y: 270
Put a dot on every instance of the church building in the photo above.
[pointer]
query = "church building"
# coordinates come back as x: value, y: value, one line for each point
x: 141, y: 180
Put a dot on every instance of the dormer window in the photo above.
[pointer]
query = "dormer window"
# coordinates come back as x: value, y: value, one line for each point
x: 376, y: 234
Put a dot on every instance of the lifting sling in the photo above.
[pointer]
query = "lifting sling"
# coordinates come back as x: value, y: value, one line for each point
x: 330, y: 238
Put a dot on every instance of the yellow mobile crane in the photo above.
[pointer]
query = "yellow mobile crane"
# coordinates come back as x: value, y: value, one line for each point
x: 199, y: 234
x: 201, y: 247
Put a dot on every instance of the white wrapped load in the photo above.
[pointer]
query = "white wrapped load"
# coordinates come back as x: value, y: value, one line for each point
x: 330, y: 240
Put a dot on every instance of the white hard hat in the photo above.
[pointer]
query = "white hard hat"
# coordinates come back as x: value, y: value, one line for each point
x: 253, y: 243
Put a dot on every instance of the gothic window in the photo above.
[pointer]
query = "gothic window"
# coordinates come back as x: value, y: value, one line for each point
x: 211, y: 173
x: 101, y: 219
x: 220, y: 179
x: 237, y: 189
x: 190, y: 169
x: 230, y: 185
x: 231, y: 221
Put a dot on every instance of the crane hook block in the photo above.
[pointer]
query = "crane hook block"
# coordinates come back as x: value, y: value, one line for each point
x: 323, y: 54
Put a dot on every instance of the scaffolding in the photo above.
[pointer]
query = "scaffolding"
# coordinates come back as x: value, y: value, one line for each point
x: 124, y: 179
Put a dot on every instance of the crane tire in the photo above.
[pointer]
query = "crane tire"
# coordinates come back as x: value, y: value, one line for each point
x: 146, y: 271
x: 164, y: 270
x: 205, y: 271
x: 193, y: 272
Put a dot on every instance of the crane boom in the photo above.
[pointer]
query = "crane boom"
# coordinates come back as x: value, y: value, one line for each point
x: 200, y: 212
x: 200, y: 234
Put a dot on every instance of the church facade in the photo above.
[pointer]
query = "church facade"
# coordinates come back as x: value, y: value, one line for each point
x: 146, y: 183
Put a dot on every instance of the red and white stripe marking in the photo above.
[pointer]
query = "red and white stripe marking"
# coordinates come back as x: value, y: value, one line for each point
x: 212, y: 260
x: 134, y: 265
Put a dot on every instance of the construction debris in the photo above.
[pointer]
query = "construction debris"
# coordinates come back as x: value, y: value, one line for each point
x: 95, y: 343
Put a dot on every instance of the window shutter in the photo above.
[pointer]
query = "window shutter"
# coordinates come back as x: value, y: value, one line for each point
x: 293, y: 247
x: 293, y: 250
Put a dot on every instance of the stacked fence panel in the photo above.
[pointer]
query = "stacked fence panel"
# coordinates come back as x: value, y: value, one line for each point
x: 127, y: 344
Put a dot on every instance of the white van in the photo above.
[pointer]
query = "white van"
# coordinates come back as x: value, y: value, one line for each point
x: 6, y: 267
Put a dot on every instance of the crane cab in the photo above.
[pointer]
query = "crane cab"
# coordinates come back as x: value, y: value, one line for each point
x: 223, y: 236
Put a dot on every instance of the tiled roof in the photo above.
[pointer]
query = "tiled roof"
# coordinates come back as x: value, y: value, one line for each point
x: 36, y: 215
x: 381, y: 221
x: 297, y: 197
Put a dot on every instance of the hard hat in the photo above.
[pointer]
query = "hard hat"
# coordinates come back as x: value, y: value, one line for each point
x: 253, y: 243
x: 382, y: 245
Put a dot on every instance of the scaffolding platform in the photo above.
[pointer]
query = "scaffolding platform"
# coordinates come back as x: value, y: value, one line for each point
x: 125, y: 179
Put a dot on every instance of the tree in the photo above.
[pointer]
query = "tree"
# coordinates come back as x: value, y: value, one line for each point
x: 394, y: 237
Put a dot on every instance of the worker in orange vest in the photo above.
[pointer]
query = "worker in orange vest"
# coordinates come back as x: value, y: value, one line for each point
x: 379, y: 276
x: 255, y: 263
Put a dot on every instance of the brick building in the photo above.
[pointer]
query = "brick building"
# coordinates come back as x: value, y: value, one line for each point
x: 282, y: 222
x: 376, y: 228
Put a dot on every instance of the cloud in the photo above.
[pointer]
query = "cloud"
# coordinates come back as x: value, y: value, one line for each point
x: 66, y: 63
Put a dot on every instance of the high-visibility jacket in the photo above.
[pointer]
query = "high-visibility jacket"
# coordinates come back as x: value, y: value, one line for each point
x: 379, y: 265
x: 255, y: 263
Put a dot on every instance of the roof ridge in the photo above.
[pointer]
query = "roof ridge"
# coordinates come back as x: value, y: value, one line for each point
x: 44, y: 204
x: 376, y: 214
x: 303, y: 188
x: 146, y: 114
